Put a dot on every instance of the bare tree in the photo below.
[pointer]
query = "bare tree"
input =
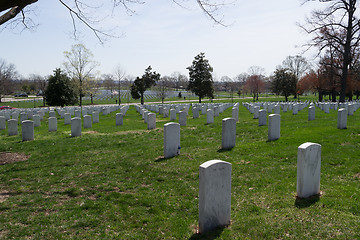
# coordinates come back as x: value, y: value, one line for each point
x: 40, y: 83
x: 298, y: 65
x: 337, y: 26
x: 80, y: 66
x: 255, y: 82
x: 108, y: 82
x: 241, y: 80
x: 7, y: 75
x: 82, y: 12
x: 120, y: 74
x: 162, y: 87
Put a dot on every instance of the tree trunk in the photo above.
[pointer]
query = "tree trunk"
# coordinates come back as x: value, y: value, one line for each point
x: 347, y: 49
x: 286, y: 98
x: 333, y: 95
x: 142, y: 98
x: 199, y: 99
x: 92, y: 102
x: 320, y: 96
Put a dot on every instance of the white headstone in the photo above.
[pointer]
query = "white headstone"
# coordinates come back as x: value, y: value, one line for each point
x: 228, y: 133
x: 95, y: 116
x: 2, y: 123
x: 36, y: 119
x: 87, y: 121
x: 182, y: 118
x: 119, y: 119
x: 262, y: 117
x: 23, y: 116
x: 172, y: 114
x: 27, y: 130
x: 76, y: 127
x: 196, y: 112
x: 67, y: 118
x: 235, y: 113
x: 171, y: 139
x: 151, y: 121
x: 274, y: 127
x: 165, y: 112
x: 52, y: 114
x: 308, y: 170
x: 295, y: 109
x: 277, y: 109
x: 52, y: 124
x: 12, y: 127
x: 78, y: 113
x: 256, y: 112
x: 209, y: 116
x: 311, y: 113
x: 342, y: 118
x: 214, y: 195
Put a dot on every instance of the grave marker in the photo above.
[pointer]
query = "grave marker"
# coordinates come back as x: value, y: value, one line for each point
x: 274, y: 127
x: 171, y: 139
x: 27, y: 130
x: 214, y: 195
x: 228, y: 133
x: 308, y: 170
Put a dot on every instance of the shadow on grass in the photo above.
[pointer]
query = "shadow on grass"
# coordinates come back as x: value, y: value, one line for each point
x: 306, y: 202
x: 209, y: 235
x: 221, y: 150
x: 163, y: 159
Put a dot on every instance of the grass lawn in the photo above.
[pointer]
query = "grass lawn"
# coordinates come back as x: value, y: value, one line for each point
x: 113, y: 183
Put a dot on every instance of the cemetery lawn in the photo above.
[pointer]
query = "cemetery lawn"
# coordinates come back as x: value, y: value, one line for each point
x: 113, y: 183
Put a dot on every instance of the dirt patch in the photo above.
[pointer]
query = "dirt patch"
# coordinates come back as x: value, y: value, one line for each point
x: 8, y: 157
x: 4, y: 195
x: 357, y: 175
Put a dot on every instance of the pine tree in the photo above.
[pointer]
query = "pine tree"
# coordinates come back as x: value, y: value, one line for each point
x: 200, y: 78
x: 60, y: 90
x: 140, y: 85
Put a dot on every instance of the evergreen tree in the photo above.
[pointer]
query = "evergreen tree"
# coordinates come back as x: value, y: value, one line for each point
x: 200, y: 78
x: 60, y: 90
x: 140, y: 85
x: 284, y: 82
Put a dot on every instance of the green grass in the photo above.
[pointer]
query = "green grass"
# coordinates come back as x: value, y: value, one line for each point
x: 113, y: 183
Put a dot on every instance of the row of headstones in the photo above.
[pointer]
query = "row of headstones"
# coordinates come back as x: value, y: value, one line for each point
x: 350, y: 107
x: 275, y: 107
x: 262, y: 116
x: 211, y: 110
x: 215, y: 186
x: 28, y: 126
x: 23, y: 113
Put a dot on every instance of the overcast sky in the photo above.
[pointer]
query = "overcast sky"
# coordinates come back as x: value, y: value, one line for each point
x: 165, y: 36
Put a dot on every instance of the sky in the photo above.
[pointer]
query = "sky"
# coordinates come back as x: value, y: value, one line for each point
x: 165, y: 36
